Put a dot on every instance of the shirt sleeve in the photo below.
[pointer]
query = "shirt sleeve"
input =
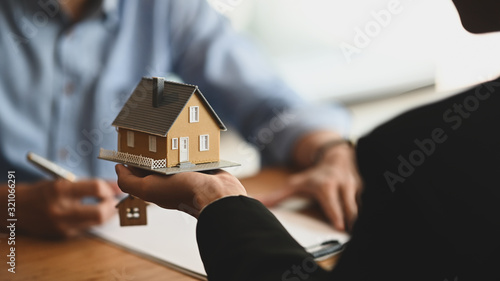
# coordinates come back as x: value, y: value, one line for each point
x: 241, y: 86
x: 239, y: 239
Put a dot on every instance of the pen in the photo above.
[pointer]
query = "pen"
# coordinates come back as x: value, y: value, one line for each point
x: 57, y: 172
x: 50, y: 167
x: 325, y: 248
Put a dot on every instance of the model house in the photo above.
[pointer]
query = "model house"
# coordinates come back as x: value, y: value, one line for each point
x: 170, y: 123
x: 132, y: 211
x: 167, y: 128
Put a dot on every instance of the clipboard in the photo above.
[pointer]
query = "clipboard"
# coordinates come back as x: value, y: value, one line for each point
x: 179, y: 250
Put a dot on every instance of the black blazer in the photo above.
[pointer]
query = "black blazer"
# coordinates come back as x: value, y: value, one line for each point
x: 430, y: 208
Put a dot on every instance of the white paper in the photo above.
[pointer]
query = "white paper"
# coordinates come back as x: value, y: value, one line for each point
x: 170, y: 236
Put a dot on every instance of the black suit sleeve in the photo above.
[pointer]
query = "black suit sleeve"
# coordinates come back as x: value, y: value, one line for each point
x: 429, y: 211
x: 240, y: 239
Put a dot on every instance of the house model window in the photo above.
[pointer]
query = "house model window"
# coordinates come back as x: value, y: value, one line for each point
x: 152, y: 143
x: 194, y: 114
x: 204, y: 143
x: 133, y: 213
x: 130, y: 139
x: 175, y: 143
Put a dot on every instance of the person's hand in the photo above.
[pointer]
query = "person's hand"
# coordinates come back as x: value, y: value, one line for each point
x: 334, y: 182
x: 54, y: 209
x: 189, y: 191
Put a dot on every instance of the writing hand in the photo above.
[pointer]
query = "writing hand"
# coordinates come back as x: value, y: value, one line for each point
x: 55, y: 209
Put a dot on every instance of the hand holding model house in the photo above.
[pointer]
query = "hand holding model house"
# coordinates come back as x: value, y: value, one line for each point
x: 167, y: 128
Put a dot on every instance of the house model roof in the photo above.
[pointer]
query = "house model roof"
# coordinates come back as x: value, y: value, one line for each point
x: 139, y: 114
x: 130, y: 197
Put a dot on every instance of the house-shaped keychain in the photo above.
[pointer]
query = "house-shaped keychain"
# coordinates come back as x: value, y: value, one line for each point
x: 132, y: 211
x: 167, y: 127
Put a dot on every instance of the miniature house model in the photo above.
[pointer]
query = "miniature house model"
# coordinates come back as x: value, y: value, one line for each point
x: 166, y: 124
x: 169, y: 121
x: 132, y: 211
x: 165, y: 127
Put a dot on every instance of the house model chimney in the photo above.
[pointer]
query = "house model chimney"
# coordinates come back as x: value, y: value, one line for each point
x: 158, y: 84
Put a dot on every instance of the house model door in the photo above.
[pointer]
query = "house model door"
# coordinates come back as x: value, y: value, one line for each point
x: 184, y: 149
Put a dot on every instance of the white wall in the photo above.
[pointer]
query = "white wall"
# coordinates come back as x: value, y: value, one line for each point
x: 310, y: 41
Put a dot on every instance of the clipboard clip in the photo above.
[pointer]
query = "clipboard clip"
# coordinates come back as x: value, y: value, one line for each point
x: 326, y: 248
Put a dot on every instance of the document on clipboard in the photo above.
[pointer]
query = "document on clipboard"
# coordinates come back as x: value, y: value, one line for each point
x: 170, y: 237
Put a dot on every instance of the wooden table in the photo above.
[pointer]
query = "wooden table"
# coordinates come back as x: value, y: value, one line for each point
x: 88, y: 258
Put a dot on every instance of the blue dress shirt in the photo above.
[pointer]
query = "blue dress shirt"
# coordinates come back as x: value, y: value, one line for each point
x: 63, y: 83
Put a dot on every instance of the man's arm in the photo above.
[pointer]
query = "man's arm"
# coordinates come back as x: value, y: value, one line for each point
x: 239, y: 239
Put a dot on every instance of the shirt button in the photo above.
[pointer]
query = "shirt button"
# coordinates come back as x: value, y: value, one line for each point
x: 69, y: 89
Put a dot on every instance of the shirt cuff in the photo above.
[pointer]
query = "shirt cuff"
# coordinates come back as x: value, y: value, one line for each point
x: 276, y: 138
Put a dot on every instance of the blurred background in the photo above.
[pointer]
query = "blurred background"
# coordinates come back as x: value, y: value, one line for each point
x: 357, y: 50
x: 378, y: 57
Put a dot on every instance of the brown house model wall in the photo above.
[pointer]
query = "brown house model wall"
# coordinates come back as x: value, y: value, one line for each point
x: 181, y: 128
x: 141, y: 144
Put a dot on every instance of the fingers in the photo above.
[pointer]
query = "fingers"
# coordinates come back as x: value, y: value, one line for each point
x: 349, y: 196
x: 182, y: 191
x: 138, y: 171
x: 127, y: 181
x: 74, y: 216
x: 329, y: 199
x: 82, y: 217
x: 277, y: 196
x: 292, y: 187
x: 55, y: 208
x: 95, y: 188
x: 153, y: 187
x: 335, y: 192
x: 70, y: 217
x: 165, y: 191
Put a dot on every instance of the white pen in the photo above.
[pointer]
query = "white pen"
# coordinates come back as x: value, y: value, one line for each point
x: 50, y: 167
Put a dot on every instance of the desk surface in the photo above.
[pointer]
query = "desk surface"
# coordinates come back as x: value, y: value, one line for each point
x: 87, y: 258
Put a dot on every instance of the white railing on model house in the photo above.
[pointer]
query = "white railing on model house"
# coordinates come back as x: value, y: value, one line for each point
x: 133, y: 159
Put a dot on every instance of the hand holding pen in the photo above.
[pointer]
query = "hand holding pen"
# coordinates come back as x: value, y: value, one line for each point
x: 54, y: 208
